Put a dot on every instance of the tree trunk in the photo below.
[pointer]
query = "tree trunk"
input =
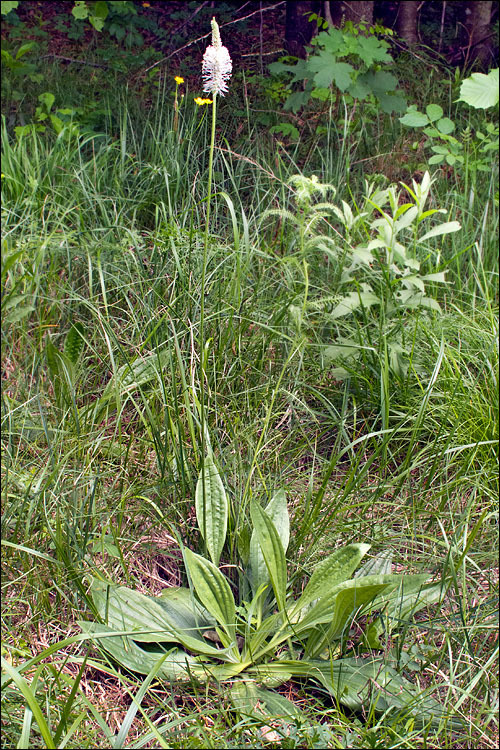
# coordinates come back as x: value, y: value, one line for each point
x: 407, y: 20
x: 480, y: 43
x: 353, y: 11
x: 298, y: 30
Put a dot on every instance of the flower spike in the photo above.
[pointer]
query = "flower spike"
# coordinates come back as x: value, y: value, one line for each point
x: 217, y: 66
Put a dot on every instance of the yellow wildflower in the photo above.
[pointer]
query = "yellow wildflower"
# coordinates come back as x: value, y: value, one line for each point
x: 200, y: 102
x: 178, y: 80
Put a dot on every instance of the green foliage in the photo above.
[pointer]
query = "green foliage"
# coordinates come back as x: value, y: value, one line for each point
x: 381, y: 277
x: 480, y: 90
x: 8, y: 6
x: 349, y: 60
x: 474, y: 152
x: 96, y: 12
x: 251, y: 637
x: 63, y: 367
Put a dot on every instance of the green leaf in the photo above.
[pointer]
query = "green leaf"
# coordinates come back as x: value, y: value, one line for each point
x: 434, y: 112
x: 447, y: 228
x: 184, y: 611
x: 414, y: 119
x: 334, y: 569
x: 24, y: 48
x: 213, y: 590
x: 272, y: 551
x: 140, y: 659
x: 379, y: 565
x: 372, y: 50
x: 211, y: 509
x: 399, y: 606
x: 47, y: 99
x: 122, y: 608
x: 352, y: 302
x: 8, y: 5
x: 369, y: 683
x: 18, y: 313
x: 445, y: 126
x: 139, y: 372
x: 277, y: 511
x: 352, y: 596
x: 146, y: 617
x: 80, y: 9
x: 250, y: 700
x: 480, y: 90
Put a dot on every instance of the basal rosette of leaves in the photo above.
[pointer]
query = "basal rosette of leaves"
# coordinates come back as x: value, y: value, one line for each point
x: 346, y: 60
x: 200, y: 632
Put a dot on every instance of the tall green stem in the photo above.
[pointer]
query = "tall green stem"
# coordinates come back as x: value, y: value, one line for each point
x: 202, y: 305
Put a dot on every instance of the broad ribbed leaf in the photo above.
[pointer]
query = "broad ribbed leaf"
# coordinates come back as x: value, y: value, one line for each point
x: 277, y: 511
x: 334, y: 569
x: 212, y: 509
x: 249, y: 699
x: 358, y: 592
x: 184, y: 611
x: 399, y: 606
x: 272, y: 551
x: 131, y: 656
x: 125, y: 609
x: 122, y: 608
x: 213, y: 590
x: 139, y: 372
x: 366, y: 683
x: 379, y: 565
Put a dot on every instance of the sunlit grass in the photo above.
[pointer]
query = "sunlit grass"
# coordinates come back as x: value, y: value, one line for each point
x: 99, y: 471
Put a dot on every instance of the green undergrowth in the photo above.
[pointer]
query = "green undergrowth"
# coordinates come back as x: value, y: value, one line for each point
x: 361, y: 379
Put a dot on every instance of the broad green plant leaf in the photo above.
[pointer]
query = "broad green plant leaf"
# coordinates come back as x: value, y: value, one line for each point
x: 249, y: 699
x: 353, y: 301
x: 272, y: 551
x: 213, y: 590
x: 399, y: 606
x: 8, y: 5
x: 146, y: 618
x: 277, y: 511
x: 334, y: 569
x: 480, y: 90
x: 361, y: 683
x: 211, y: 509
x: 141, y: 659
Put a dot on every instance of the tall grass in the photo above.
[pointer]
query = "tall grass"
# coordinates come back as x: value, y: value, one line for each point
x: 100, y: 462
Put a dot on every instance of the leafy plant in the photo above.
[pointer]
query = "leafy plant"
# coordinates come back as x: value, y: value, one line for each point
x: 63, y: 366
x: 274, y: 635
x: 378, y: 270
x: 351, y: 60
x: 475, y: 152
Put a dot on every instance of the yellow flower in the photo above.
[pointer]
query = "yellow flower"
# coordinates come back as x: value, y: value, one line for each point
x: 146, y: 5
x: 178, y: 80
x: 200, y: 102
